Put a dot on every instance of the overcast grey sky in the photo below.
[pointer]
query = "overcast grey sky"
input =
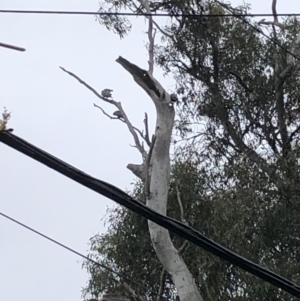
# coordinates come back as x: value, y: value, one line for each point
x: 53, y: 111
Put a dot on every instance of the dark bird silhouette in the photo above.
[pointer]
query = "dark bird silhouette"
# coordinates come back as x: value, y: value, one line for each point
x: 118, y: 114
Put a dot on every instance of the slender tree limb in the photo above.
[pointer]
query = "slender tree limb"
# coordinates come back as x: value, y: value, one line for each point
x: 286, y: 72
x: 89, y: 87
x: 180, y: 205
x: 274, y: 11
x: 275, y: 16
x: 161, y: 284
x: 182, y: 217
x: 106, y: 114
x: 263, y: 22
x: 163, y: 31
x: 144, y: 137
x: 239, y: 79
x: 12, y: 47
x: 140, y: 9
x: 151, y: 35
x: 133, y: 293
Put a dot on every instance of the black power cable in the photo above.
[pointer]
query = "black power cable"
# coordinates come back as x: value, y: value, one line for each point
x: 125, y: 200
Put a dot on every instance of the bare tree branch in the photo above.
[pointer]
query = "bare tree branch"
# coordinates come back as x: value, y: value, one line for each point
x: 122, y: 120
x: 12, y: 47
x: 106, y: 114
x: 156, y: 25
x: 162, y: 31
x: 275, y: 22
x: 182, y: 217
x: 132, y: 130
x: 180, y: 205
x: 161, y: 284
x: 133, y: 293
x: 89, y: 87
x: 151, y: 35
x: 274, y: 11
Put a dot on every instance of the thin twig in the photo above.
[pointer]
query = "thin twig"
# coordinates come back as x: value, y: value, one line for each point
x: 157, y: 26
x: 132, y: 130
x: 180, y: 204
x: 161, y: 284
x: 12, y: 47
x: 106, y: 114
x: 122, y: 120
x: 161, y: 30
x: 182, y: 217
x: 89, y: 87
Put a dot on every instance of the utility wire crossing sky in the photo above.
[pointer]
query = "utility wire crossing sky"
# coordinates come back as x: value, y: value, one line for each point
x: 57, y: 12
x: 166, y: 15
x: 127, y: 201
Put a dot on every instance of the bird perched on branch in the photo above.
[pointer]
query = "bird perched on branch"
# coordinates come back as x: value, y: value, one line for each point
x: 118, y: 114
x: 106, y: 93
x: 174, y: 97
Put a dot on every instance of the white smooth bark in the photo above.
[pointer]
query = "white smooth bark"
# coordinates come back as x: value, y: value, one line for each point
x: 159, y: 183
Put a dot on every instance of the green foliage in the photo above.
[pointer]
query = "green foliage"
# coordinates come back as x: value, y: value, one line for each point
x: 237, y: 169
x: 118, y: 24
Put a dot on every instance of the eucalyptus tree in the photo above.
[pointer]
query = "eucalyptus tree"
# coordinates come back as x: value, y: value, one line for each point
x: 235, y: 175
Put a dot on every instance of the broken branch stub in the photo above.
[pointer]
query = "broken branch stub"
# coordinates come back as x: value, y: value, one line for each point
x: 142, y: 77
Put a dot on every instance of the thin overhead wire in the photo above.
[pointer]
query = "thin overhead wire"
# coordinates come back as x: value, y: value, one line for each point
x: 57, y: 12
x: 190, y: 16
x: 127, y: 201
x: 123, y: 276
